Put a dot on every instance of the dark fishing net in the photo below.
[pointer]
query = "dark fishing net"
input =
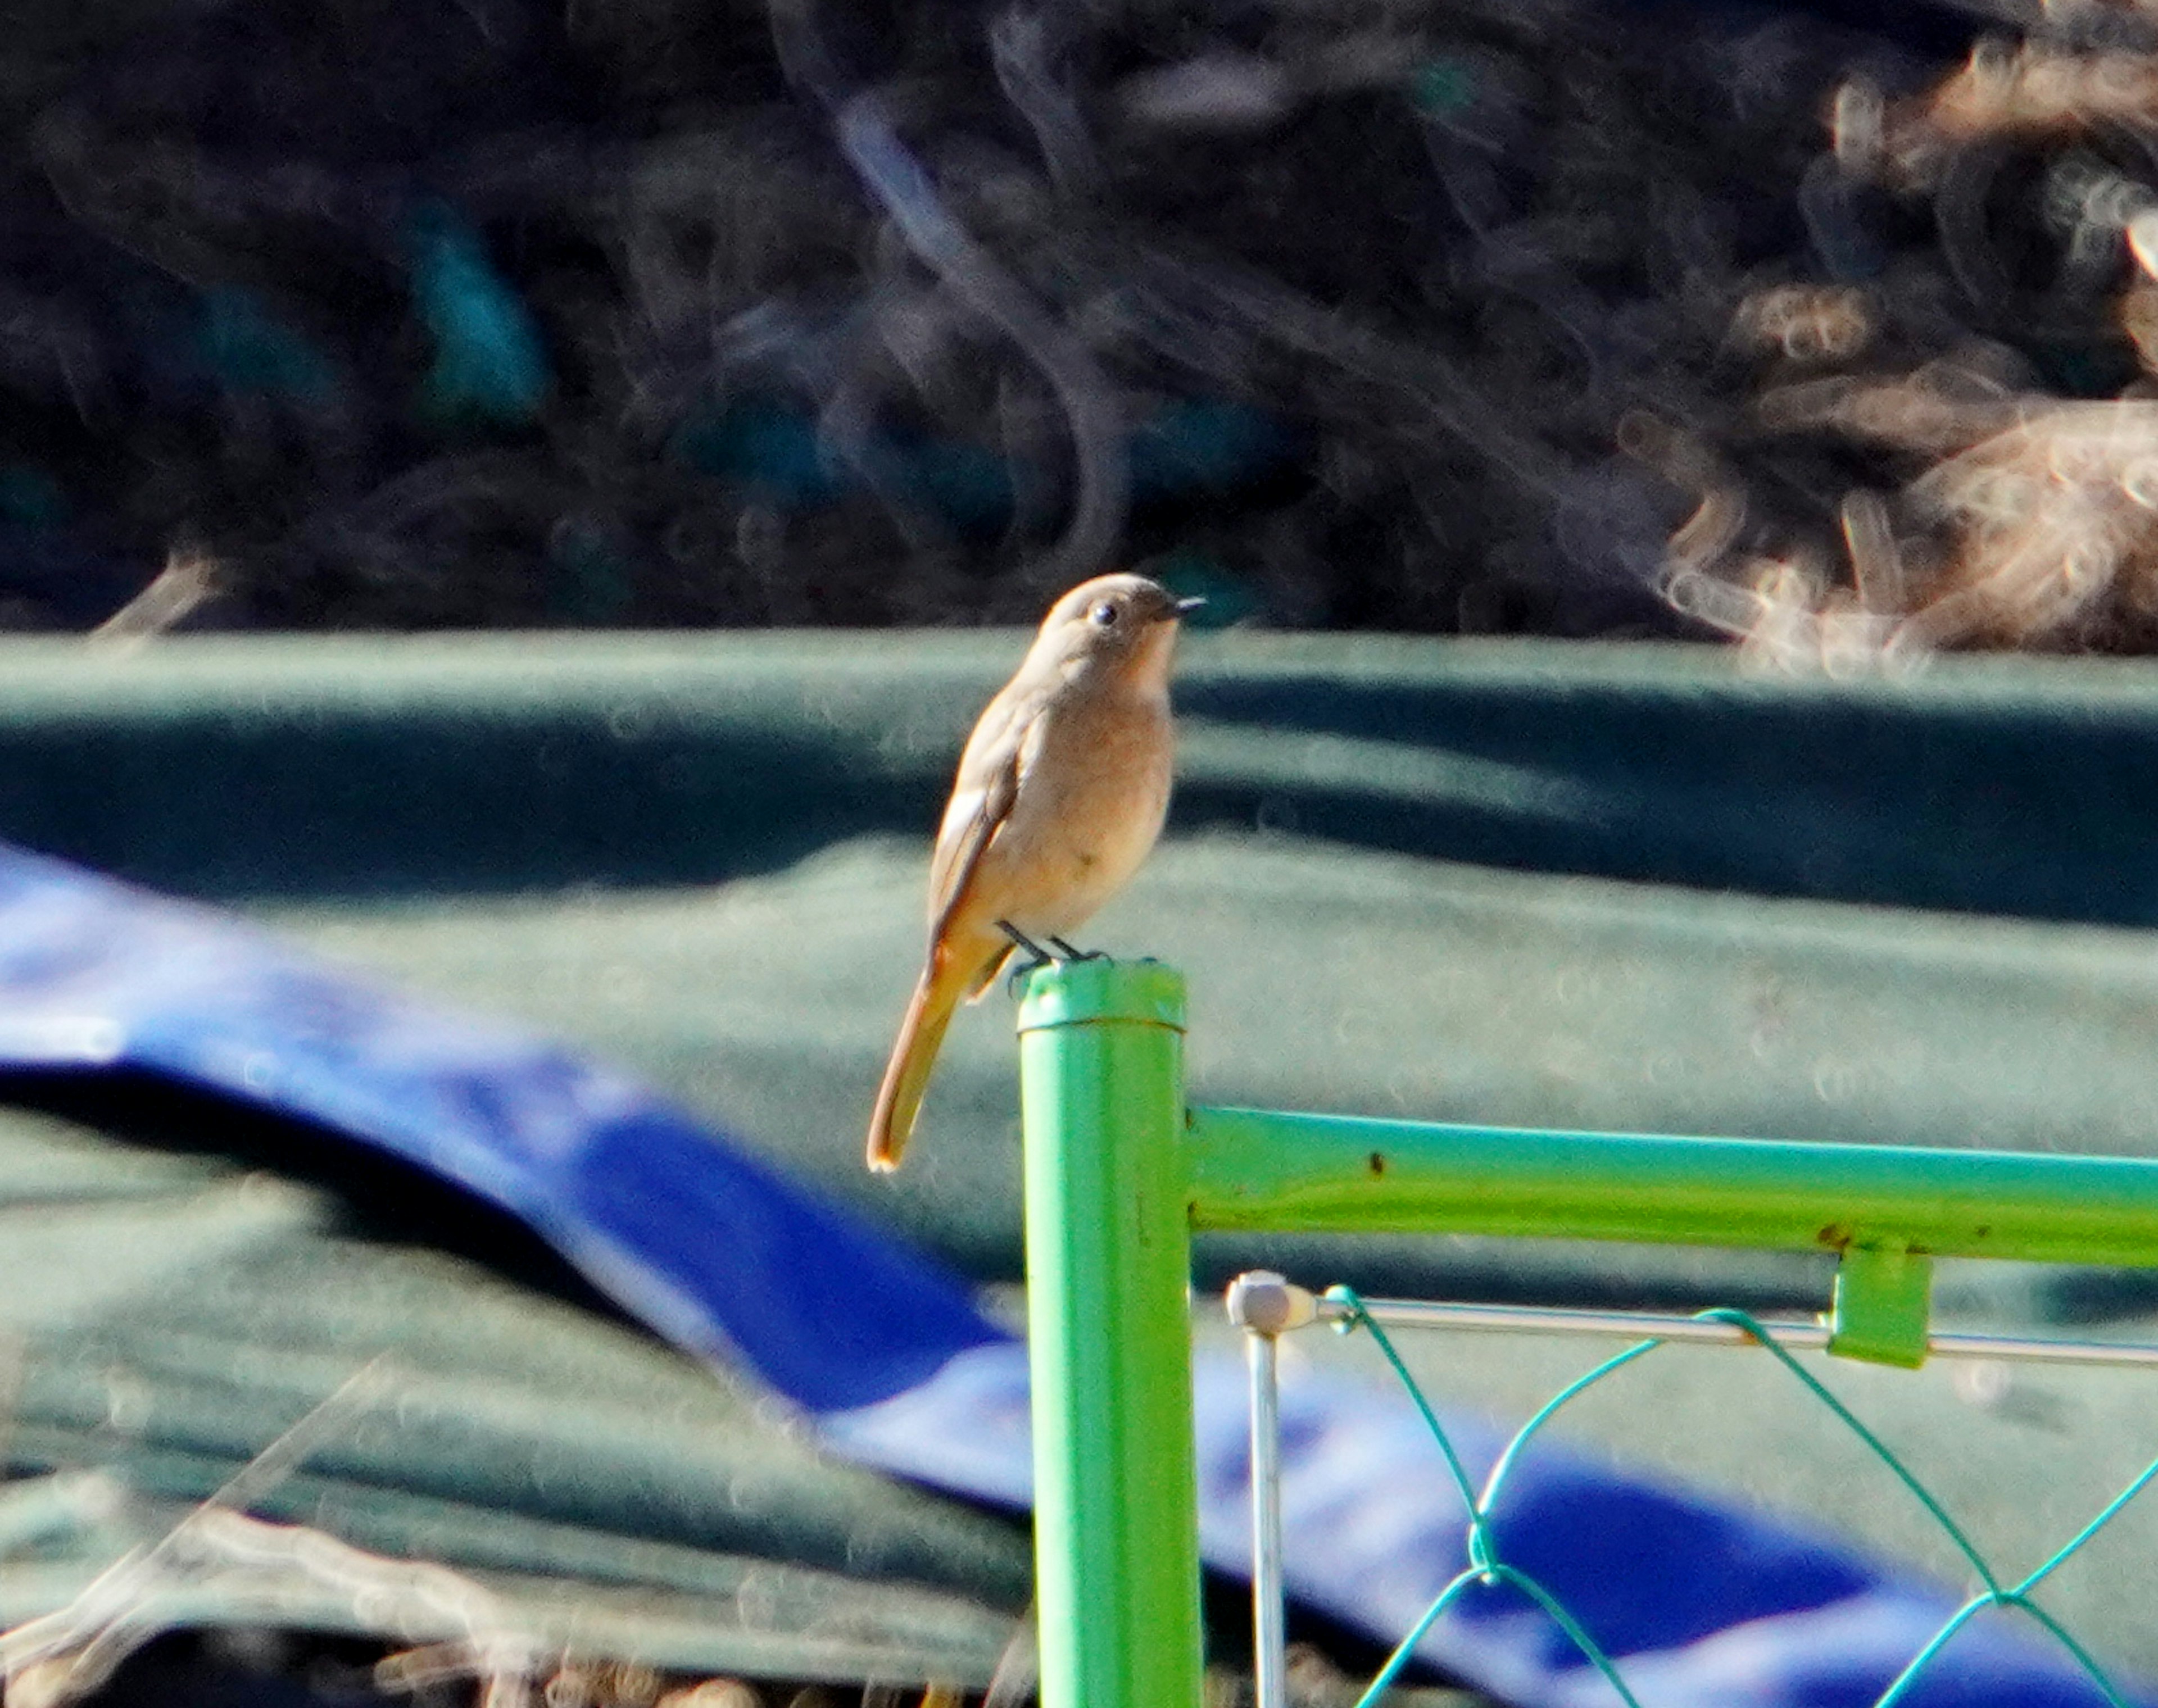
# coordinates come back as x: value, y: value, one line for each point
x: 1536, y: 317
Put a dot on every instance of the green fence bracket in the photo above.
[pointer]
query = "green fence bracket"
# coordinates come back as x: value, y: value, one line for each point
x: 1879, y: 1310
x: 1108, y: 1270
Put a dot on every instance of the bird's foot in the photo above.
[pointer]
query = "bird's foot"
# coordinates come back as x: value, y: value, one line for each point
x: 1037, y: 956
x: 1058, y: 954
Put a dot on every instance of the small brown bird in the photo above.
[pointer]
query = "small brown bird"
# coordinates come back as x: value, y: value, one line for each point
x: 1059, y: 796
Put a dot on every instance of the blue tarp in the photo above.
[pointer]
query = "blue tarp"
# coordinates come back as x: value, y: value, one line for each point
x: 1700, y: 1602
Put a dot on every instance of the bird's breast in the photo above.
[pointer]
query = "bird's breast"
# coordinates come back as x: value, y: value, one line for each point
x: 1086, y: 814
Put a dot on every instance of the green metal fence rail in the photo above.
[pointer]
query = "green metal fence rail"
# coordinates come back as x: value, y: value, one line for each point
x: 1120, y: 1173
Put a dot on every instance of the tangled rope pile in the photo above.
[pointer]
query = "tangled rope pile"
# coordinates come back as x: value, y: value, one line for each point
x: 1433, y: 315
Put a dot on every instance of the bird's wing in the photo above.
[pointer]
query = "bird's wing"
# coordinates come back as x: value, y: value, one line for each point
x: 998, y: 757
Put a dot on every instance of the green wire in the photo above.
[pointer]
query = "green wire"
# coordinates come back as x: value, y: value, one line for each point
x: 1520, y: 1440
x: 2083, y: 1657
x: 2090, y: 1530
x: 1360, y: 1318
x: 1881, y: 1451
x: 1486, y: 1566
x: 1407, y: 1648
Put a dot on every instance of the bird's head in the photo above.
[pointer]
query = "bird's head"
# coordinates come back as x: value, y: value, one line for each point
x: 1120, y: 622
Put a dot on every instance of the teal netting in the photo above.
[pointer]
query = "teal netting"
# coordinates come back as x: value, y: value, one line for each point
x: 1487, y: 1564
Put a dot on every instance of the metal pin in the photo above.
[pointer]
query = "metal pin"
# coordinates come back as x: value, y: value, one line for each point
x: 1264, y: 1305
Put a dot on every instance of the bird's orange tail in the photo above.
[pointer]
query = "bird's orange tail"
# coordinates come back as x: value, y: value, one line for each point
x: 906, y: 1076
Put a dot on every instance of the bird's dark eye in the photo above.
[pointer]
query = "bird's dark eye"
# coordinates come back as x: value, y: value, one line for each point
x: 1103, y: 615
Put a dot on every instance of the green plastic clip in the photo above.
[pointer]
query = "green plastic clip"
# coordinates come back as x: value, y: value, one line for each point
x: 1879, y: 1310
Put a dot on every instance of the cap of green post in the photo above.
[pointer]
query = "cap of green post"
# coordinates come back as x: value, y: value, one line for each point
x: 1102, y: 989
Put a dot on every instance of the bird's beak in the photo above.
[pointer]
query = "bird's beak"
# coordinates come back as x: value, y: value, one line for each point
x: 1184, y: 607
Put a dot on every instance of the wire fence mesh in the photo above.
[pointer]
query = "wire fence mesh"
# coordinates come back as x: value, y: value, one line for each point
x: 1488, y: 1564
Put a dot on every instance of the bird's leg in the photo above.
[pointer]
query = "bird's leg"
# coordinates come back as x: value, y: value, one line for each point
x: 1040, y: 957
x: 1059, y: 953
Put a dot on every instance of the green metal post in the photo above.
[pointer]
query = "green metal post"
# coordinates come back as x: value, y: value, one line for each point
x: 1108, y: 1262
